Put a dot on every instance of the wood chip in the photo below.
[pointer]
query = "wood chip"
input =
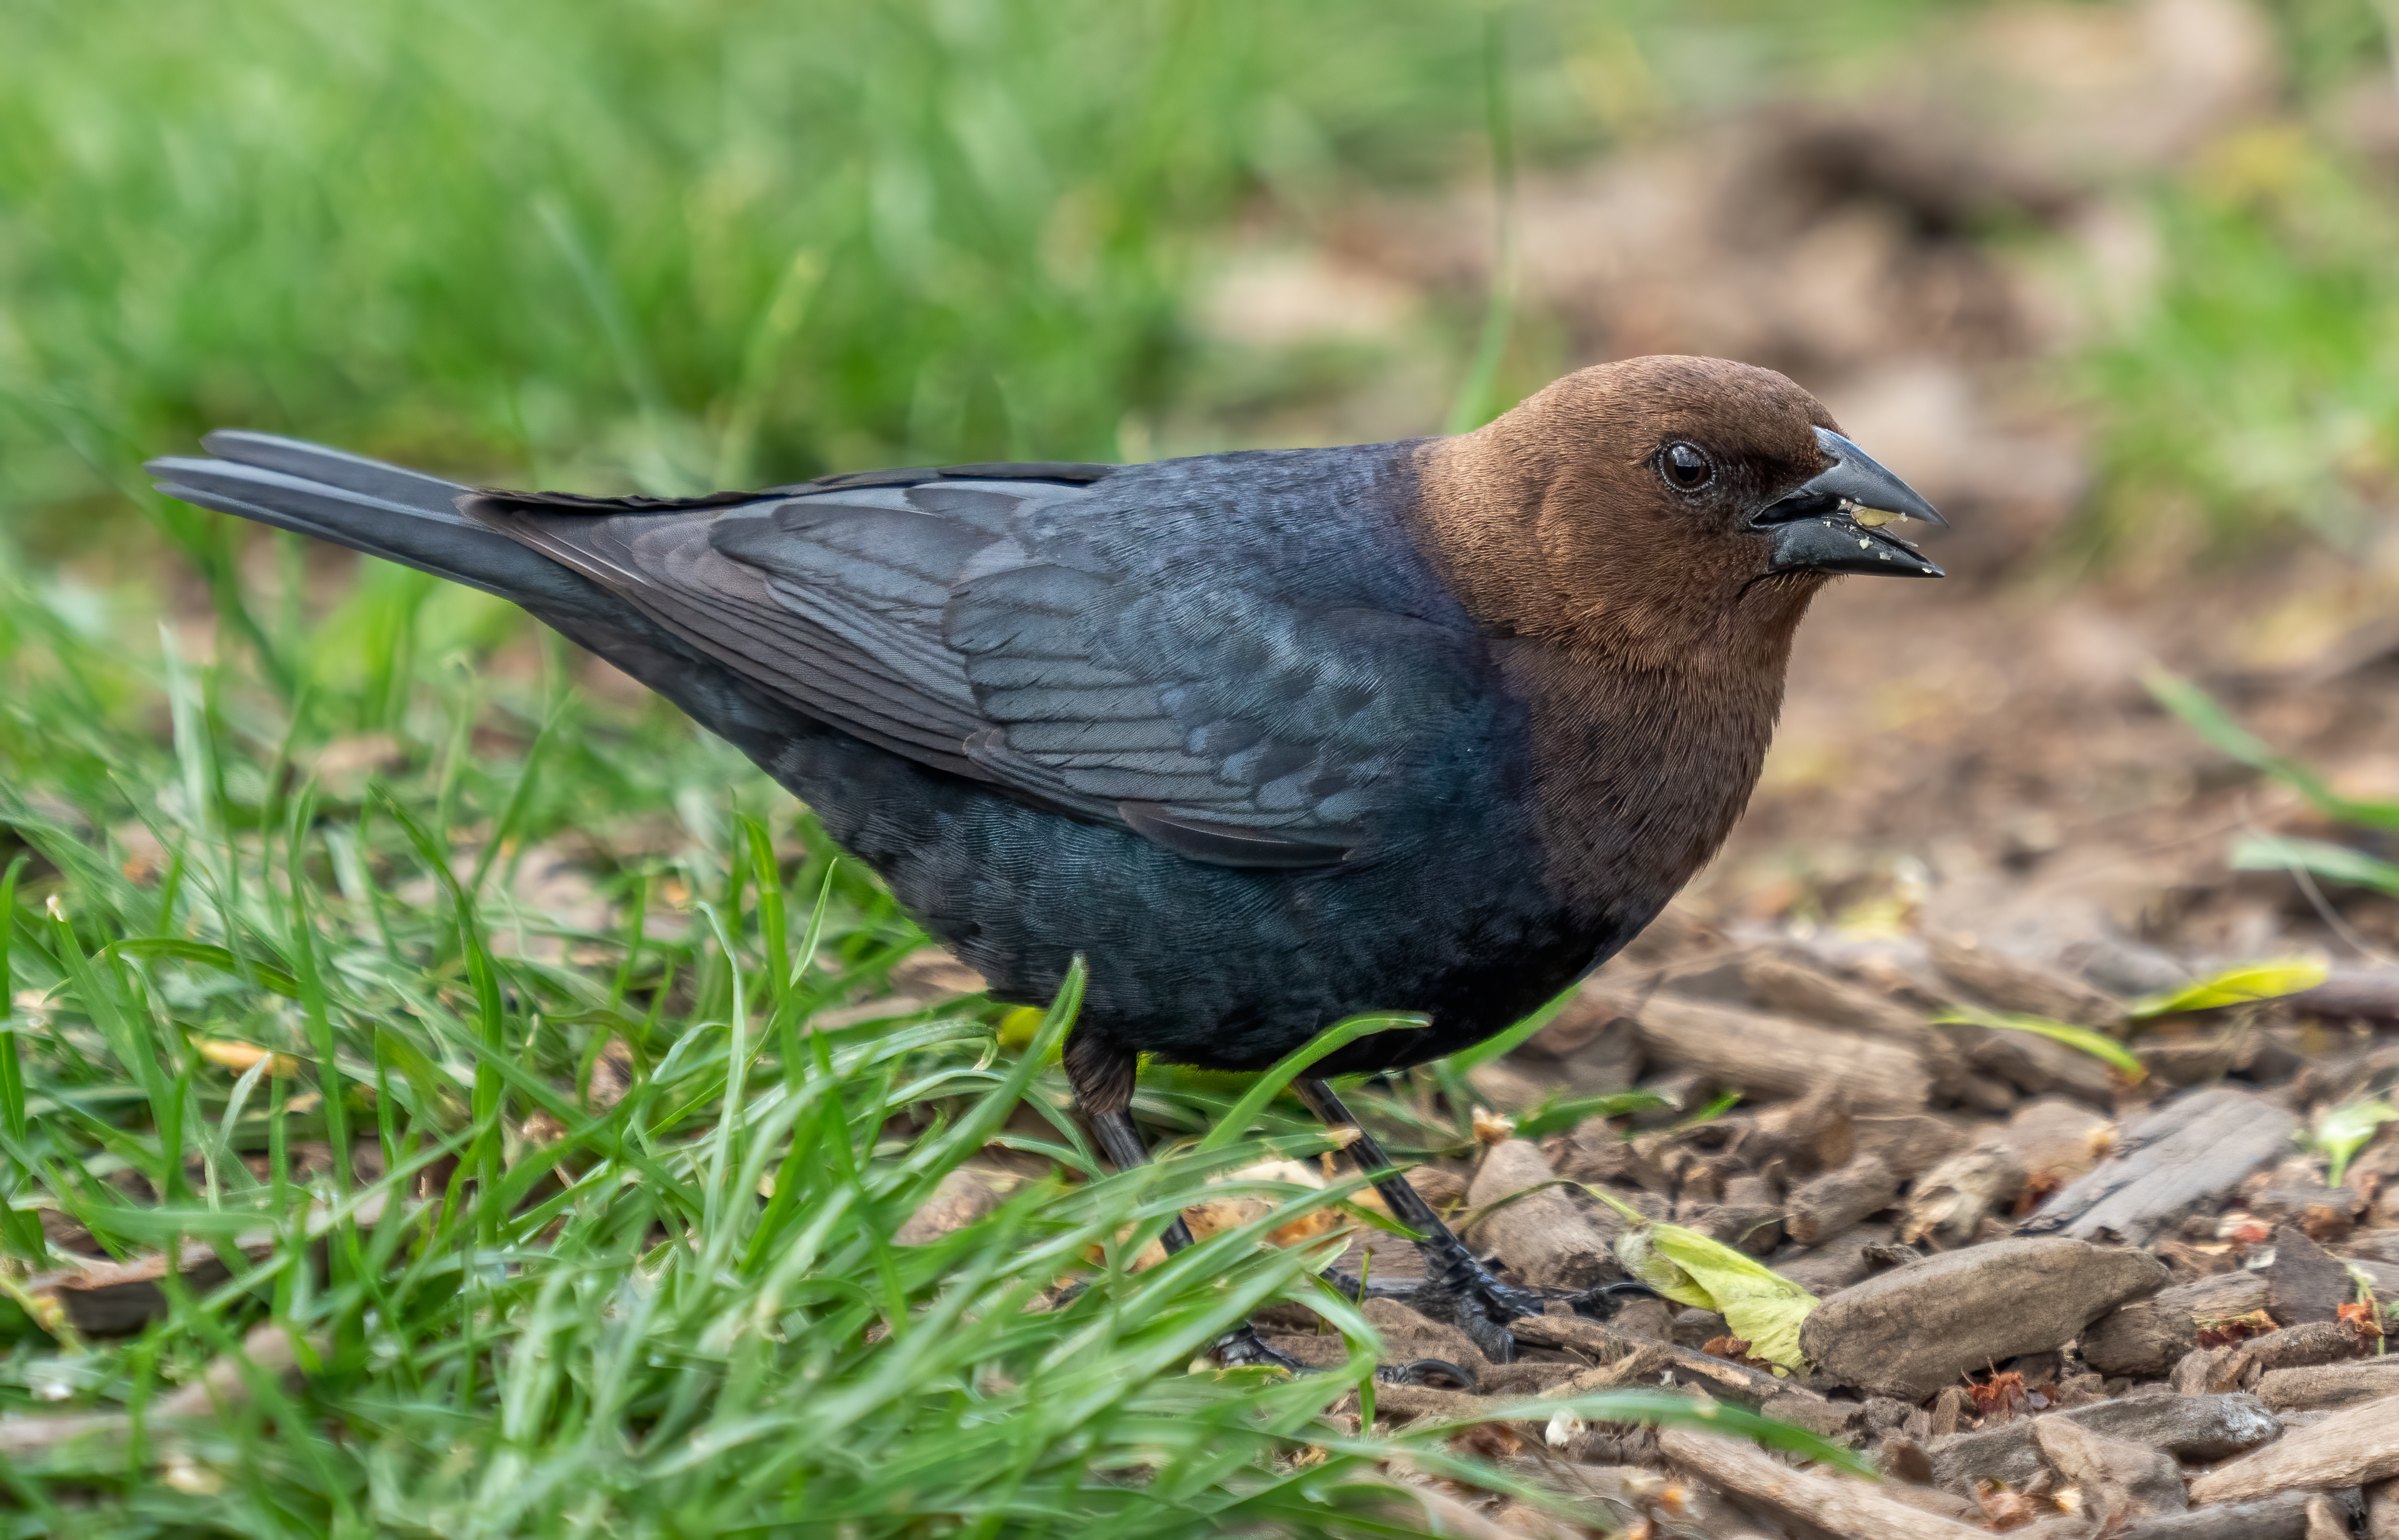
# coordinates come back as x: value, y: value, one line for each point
x: 1448, y: 1515
x: 2328, y: 1517
x: 1950, y: 1200
x: 2007, y: 982
x: 2282, y: 1518
x: 2307, y: 1345
x: 1910, y: 1143
x: 2120, y: 1480
x: 1852, y: 1509
x: 2142, y: 1340
x: 1625, y: 1360
x: 2305, y: 1282
x: 1829, y: 1206
x: 2347, y: 1449
x: 2382, y: 1512
x: 1542, y: 1236
x: 1762, y: 1055
x: 961, y: 1197
x: 1911, y: 1331
x: 2191, y: 1152
x: 1796, y: 987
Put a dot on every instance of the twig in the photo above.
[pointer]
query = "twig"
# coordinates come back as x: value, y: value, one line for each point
x: 269, y: 1349
x: 1848, y: 1508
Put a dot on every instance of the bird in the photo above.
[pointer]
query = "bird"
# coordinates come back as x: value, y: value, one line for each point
x: 1270, y: 737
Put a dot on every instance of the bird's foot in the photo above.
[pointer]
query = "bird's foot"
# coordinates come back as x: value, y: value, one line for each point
x: 1461, y: 1290
x: 1243, y: 1348
x: 1462, y: 1293
x: 1437, y: 1373
x: 1467, y: 1294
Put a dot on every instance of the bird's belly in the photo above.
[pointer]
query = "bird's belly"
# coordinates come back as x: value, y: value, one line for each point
x: 1223, y: 967
x: 1230, y: 969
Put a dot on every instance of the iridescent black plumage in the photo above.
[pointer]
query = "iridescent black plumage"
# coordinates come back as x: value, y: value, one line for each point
x: 1270, y: 738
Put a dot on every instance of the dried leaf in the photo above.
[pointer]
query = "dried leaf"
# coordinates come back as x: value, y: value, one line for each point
x: 1736, y: 1350
x: 1492, y: 1127
x: 2236, y: 1329
x: 2006, y: 1510
x: 1226, y: 1213
x: 1761, y: 1305
x: 2242, y: 1228
x: 226, y: 1054
x: 2001, y: 1396
x: 1491, y: 1440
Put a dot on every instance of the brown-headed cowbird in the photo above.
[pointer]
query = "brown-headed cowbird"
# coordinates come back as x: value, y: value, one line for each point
x: 1271, y: 738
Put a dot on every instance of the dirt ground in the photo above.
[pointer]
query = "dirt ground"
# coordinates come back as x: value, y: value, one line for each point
x: 2050, y: 1296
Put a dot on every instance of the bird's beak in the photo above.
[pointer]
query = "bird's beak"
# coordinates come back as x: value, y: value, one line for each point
x: 1834, y: 522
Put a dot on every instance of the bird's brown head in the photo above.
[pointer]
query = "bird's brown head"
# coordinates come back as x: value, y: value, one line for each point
x: 1659, y: 505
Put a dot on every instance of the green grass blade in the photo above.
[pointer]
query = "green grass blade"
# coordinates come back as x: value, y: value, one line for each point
x: 2097, y: 1044
x: 1269, y: 1084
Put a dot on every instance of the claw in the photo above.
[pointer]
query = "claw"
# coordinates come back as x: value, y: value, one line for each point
x: 1506, y: 1301
x: 1604, y: 1300
x: 1422, y: 1370
x: 1243, y: 1348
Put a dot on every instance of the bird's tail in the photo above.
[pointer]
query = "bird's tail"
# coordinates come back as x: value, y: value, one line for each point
x: 383, y: 510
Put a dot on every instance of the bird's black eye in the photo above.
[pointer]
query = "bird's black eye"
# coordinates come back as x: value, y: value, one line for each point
x: 1685, y: 466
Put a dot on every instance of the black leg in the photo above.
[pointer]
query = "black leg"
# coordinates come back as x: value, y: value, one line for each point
x: 1456, y: 1286
x: 1103, y: 1082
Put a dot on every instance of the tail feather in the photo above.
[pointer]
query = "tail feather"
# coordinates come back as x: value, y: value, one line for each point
x: 415, y: 519
x: 384, y: 510
x: 334, y: 467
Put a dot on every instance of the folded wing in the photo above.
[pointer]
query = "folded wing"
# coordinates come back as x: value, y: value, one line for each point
x: 960, y: 622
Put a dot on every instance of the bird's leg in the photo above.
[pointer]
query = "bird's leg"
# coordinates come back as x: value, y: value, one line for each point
x: 1456, y: 1286
x: 1103, y: 1080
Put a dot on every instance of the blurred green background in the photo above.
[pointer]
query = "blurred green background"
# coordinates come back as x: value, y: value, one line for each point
x: 717, y: 243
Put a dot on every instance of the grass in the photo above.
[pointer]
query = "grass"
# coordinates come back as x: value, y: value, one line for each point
x: 2258, y: 389
x: 710, y: 243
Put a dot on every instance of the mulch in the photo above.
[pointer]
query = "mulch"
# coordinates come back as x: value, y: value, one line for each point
x: 2055, y: 1299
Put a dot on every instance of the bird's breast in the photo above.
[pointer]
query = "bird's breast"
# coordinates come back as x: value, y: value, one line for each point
x: 1637, y: 773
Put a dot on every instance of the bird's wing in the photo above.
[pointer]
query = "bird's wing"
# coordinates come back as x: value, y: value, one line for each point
x: 832, y: 601
x: 1218, y: 721
x: 953, y: 623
